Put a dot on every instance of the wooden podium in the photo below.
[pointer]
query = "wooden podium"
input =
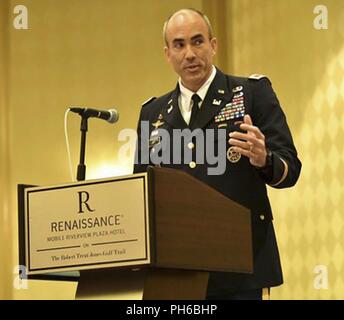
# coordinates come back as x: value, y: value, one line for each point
x: 193, y: 229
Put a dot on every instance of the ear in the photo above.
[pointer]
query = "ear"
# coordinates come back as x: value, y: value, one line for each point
x: 167, y: 53
x: 213, y: 43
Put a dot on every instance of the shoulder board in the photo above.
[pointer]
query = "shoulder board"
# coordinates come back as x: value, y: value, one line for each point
x: 148, y: 101
x: 257, y: 76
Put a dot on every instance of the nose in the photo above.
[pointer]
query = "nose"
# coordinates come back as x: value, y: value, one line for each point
x: 189, y: 53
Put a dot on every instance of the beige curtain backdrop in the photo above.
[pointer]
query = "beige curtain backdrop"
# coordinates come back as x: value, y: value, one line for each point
x: 6, y: 236
x: 109, y: 53
x: 306, y: 67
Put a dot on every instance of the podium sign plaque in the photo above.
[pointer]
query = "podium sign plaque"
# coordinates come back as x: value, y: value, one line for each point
x: 141, y: 235
x: 87, y: 225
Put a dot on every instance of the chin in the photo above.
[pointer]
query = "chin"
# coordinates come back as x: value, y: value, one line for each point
x: 197, y: 78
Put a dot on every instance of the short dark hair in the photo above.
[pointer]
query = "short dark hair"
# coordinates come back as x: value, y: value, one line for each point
x: 204, y: 17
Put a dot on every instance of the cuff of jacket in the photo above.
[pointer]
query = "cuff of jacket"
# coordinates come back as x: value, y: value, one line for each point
x: 275, y: 174
x: 280, y: 171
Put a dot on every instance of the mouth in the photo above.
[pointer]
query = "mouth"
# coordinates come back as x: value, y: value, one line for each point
x: 192, y: 67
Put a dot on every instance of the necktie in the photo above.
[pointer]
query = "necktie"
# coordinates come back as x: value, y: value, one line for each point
x: 195, y: 109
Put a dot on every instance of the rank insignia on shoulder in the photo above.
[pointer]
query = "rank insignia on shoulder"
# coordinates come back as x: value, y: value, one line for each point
x: 256, y: 76
x: 148, y: 101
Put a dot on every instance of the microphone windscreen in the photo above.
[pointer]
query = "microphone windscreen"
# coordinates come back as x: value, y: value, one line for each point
x: 114, y: 116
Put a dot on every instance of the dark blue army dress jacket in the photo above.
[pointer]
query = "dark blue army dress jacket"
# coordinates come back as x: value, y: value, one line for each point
x: 228, y: 99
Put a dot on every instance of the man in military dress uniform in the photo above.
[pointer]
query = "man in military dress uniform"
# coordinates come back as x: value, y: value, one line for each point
x: 259, y: 146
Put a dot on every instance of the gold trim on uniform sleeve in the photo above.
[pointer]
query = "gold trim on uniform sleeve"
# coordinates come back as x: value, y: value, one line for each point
x: 285, y: 173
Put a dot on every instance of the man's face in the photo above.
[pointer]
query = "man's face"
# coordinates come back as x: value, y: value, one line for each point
x: 189, y: 50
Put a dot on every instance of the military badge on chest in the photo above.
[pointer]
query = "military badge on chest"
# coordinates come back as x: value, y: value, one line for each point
x: 154, y: 136
x: 234, y: 109
x: 232, y: 155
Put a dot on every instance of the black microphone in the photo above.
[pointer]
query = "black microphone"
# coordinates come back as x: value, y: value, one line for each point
x: 110, y: 116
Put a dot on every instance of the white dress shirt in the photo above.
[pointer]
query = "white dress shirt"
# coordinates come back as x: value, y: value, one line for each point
x: 184, y: 99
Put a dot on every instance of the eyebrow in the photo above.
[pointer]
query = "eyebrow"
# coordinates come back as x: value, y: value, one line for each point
x: 177, y: 40
x: 197, y: 36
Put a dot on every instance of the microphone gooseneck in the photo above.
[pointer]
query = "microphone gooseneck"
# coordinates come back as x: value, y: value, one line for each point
x: 110, y: 116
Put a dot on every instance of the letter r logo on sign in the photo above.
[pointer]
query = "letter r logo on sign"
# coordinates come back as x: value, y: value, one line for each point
x: 84, y: 196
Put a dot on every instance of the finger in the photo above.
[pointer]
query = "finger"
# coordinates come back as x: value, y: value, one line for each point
x: 247, y: 153
x: 248, y: 120
x: 241, y: 144
x: 254, y: 159
x: 246, y: 137
x: 242, y: 151
x: 257, y: 152
x: 252, y: 129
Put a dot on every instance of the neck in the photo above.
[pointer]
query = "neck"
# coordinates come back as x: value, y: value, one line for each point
x: 194, y: 87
